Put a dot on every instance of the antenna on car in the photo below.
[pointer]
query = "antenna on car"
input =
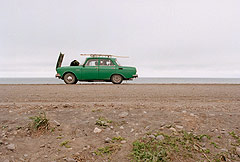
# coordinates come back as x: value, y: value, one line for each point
x: 103, y: 55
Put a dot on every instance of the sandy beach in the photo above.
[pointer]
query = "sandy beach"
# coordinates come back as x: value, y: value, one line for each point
x: 134, y: 111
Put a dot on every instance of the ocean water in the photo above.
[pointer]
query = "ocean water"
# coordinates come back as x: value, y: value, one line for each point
x: 135, y: 81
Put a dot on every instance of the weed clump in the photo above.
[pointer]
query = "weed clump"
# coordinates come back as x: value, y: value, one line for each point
x: 119, y: 138
x: 179, y: 146
x: 107, y: 150
x: 40, y: 122
x: 103, y: 122
x: 65, y: 144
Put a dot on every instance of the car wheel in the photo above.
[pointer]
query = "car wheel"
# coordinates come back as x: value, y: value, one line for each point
x: 116, y: 79
x: 70, y: 78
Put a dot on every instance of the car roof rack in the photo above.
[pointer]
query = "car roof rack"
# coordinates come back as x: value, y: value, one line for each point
x: 103, y: 55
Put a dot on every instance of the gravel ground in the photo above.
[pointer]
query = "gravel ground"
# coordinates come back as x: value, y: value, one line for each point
x: 85, y: 118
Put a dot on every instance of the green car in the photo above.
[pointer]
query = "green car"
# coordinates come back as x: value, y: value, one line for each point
x: 95, y: 68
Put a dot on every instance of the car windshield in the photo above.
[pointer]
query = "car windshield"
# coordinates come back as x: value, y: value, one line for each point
x: 117, y: 62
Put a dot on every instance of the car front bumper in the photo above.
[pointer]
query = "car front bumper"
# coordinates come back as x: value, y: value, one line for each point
x: 58, y: 75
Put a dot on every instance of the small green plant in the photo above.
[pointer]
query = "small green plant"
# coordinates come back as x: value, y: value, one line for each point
x: 59, y: 137
x: 180, y: 145
x: 18, y: 127
x: 207, y: 151
x: 119, y: 138
x: 103, y: 122
x: 233, y: 134
x: 65, y: 144
x: 4, y: 126
x: 145, y: 151
x: 107, y: 150
x: 214, y: 144
x: 40, y: 122
x: 204, y: 135
x: 53, y: 129
x: 96, y: 110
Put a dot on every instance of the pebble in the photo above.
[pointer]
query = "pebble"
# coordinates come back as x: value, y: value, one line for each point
x: 124, y: 141
x: 147, y: 127
x: 178, y: 121
x: 223, y: 132
x: 69, y: 160
x: 204, y: 139
x: 179, y: 126
x: 107, y: 140
x: 151, y: 136
x: 184, y: 111
x: 6, y: 160
x: 144, y: 112
x: 160, y: 137
x: 132, y: 130
x: 117, y: 133
x: 121, y: 127
x: 86, y: 147
x: 238, y: 150
x: 55, y: 106
x: 191, y: 114
x: 25, y: 155
x: 97, y: 130
x: 172, y: 129
x: 123, y: 114
x: 57, y: 123
x: 41, y: 146
x: 66, y: 105
x: 195, y: 147
x: 11, y: 147
x: 224, y: 150
x: 162, y: 124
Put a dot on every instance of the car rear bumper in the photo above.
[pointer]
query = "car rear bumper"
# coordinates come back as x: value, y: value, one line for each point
x: 135, y: 76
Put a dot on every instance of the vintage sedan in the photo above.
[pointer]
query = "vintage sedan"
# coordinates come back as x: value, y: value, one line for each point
x: 97, y: 67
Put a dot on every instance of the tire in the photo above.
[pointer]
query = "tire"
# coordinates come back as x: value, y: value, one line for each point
x: 116, y: 79
x: 70, y: 78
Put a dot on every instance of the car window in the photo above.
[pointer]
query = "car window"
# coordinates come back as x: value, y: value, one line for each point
x: 92, y: 62
x: 106, y: 62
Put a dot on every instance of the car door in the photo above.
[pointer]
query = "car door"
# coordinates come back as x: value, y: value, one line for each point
x: 106, y: 69
x: 90, y: 70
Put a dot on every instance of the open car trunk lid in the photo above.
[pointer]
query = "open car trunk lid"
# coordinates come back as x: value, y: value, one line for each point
x: 60, y: 59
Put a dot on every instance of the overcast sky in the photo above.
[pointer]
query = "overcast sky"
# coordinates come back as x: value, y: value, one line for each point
x: 163, y: 38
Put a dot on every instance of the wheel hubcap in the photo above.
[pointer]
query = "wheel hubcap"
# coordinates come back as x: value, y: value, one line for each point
x: 69, y: 78
x: 117, y: 78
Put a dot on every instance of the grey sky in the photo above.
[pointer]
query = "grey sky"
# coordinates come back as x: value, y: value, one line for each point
x: 164, y: 38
